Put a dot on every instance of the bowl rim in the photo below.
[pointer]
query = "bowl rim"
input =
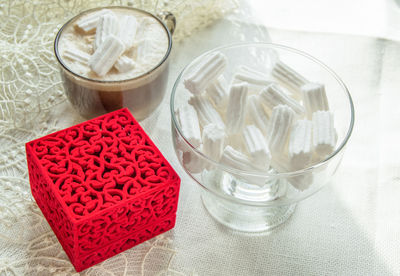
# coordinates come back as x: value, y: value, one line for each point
x: 263, y: 173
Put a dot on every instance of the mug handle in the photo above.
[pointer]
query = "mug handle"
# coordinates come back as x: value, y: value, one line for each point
x: 169, y: 20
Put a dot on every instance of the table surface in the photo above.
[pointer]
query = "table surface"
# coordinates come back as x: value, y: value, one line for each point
x: 351, y: 227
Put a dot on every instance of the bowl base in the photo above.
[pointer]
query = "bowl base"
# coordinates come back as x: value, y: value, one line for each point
x: 245, y: 218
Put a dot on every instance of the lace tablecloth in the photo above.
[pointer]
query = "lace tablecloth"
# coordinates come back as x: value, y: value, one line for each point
x: 350, y: 227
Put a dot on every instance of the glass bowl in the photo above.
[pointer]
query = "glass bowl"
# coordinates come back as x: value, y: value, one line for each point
x: 229, y: 194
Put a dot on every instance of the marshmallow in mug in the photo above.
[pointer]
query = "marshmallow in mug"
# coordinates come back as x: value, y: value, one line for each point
x: 110, y: 45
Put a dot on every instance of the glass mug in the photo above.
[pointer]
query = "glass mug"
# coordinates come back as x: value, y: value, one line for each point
x: 141, y: 94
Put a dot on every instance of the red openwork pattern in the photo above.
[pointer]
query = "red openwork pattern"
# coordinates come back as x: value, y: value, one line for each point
x: 103, y: 186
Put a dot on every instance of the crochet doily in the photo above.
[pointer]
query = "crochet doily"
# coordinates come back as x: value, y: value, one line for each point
x: 30, y: 88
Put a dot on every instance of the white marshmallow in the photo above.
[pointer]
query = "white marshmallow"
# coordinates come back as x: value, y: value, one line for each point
x: 107, y: 25
x: 213, y: 141
x: 235, y: 113
x: 106, y: 55
x: 77, y: 55
x: 144, y: 49
x: 314, y: 98
x: 279, y: 128
x: 88, y: 23
x: 300, y: 144
x: 274, y: 95
x: 205, y: 73
x: 217, y: 92
x: 324, y: 134
x: 257, y: 147
x: 289, y: 77
x: 127, y: 30
x: 235, y: 141
x: 255, y: 79
x: 124, y: 64
x: 236, y: 159
x: 260, y: 76
x: 205, y: 111
x: 281, y: 164
x: 193, y: 162
x: 257, y: 113
x: 189, y: 122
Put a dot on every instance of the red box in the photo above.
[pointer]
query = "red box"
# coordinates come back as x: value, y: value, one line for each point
x: 103, y: 186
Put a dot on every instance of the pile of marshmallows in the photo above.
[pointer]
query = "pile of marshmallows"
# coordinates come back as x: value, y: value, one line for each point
x: 113, y: 36
x: 283, y: 130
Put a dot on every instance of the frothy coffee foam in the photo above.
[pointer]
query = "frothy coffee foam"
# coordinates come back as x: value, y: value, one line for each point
x: 150, y: 47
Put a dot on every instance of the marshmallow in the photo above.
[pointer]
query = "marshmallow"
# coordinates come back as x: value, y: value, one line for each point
x: 235, y: 113
x: 257, y: 113
x: 288, y: 77
x: 274, y: 95
x: 279, y: 128
x: 88, y: 24
x: 217, y: 92
x: 235, y: 141
x: 236, y: 159
x: 189, y: 122
x: 193, y: 162
x: 255, y: 79
x: 127, y: 30
x: 213, y: 141
x: 205, y: 111
x: 206, y: 73
x: 300, y: 144
x: 281, y: 164
x: 247, y: 71
x: 77, y: 55
x: 314, y: 98
x: 324, y: 135
x: 257, y: 147
x: 107, y: 25
x: 143, y: 24
x: 124, y: 64
x: 106, y: 55
x: 144, y: 48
